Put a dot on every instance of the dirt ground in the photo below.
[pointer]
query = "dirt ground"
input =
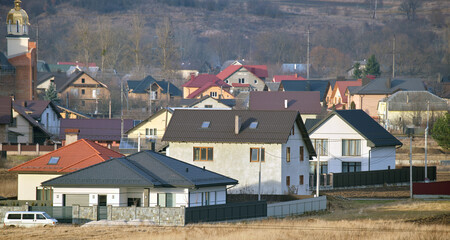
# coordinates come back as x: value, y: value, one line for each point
x: 372, y: 192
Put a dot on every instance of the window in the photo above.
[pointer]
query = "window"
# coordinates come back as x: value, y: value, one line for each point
x: 256, y: 81
x: 53, y: 161
x: 351, y: 166
x: 323, y: 167
x: 301, y: 153
x: 203, y: 154
x: 13, y: 123
x: 133, y: 202
x: 83, y: 91
x: 288, y: 154
x: 255, y: 155
x: 301, y: 180
x: 253, y: 125
x: 83, y: 80
x: 226, y: 81
x: 205, y: 124
x: 166, y: 200
x: 83, y: 103
x: 351, y: 147
x: 17, y: 25
x: 14, y: 216
x: 206, y: 199
x: 241, y: 80
x: 321, y: 146
x: 95, y: 93
x: 293, y: 130
x: 288, y: 181
x: 208, y: 106
x: 150, y: 131
x: 213, y: 94
x: 40, y: 216
x: 28, y: 216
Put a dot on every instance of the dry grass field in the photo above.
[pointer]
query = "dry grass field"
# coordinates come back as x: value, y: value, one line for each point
x: 345, y: 220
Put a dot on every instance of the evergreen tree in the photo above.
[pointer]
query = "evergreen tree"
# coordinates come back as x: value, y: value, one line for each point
x: 372, y: 67
x: 441, y: 131
x: 357, y: 73
x: 51, y: 94
x: 352, y: 105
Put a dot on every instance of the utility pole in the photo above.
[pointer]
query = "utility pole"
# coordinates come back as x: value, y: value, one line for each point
x: 259, y: 179
x: 426, y: 140
x: 410, y: 165
x: 393, y: 58
x: 318, y: 171
x: 121, y: 108
x: 139, y: 141
x: 307, y: 56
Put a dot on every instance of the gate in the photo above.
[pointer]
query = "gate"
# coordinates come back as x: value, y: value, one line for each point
x: 102, y: 213
x: 62, y: 214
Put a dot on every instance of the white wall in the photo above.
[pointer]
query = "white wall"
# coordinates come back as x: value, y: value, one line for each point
x: 218, y: 195
x: 53, y: 120
x: 113, y: 195
x: 27, y: 184
x: 210, y: 101
x: 181, y: 196
x: 334, y: 130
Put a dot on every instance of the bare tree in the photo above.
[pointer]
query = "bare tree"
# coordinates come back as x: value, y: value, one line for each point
x: 409, y: 8
x: 105, y: 38
x: 83, y: 41
x: 137, y: 28
x: 167, y: 48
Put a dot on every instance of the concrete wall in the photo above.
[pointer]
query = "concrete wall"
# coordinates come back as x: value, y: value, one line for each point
x: 27, y: 183
x: 368, y: 103
x: 4, y: 210
x: 297, y: 207
x: 249, y: 78
x: 159, y: 216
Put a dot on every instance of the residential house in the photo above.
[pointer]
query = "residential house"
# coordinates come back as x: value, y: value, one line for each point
x: 44, y: 112
x: 336, y: 98
x: 144, y: 179
x: 68, y: 113
x: 298, y: 68
x: 106, y: 132
x: 159, y: 90
x: 244, y: 77
x: 5, y: 117
x: 208, y: 102
x: 152, y: 129
x: 369, y: 94
x: 25, y: 129
x: 306, y: 85
x: 206, y: 85
x: 272, y: 86
x: 237, y: 143
x: 351, y: 141
x: 362, y: 66
x: 307, y: 103
x: 294, y: 77
x: 72, y: 157
x: 410, y: 108
x: 45, y: 79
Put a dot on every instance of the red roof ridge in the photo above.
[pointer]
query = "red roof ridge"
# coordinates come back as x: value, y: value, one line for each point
x: 82, y: 160
x: 89, y: 142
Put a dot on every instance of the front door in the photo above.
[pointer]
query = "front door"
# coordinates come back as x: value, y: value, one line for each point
x: 102, y: 210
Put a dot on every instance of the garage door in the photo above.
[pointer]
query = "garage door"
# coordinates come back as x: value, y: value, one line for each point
x: 79, y: 199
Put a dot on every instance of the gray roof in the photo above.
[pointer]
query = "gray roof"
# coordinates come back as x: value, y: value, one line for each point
x: 273, y: 127
x: 142, y: 169
x: 142, y: 86
x: 415, y: 101
x: 306, y: 85
x: 273, y: 86
x: 382, y: 86
x: 310, y: 123
x: 373, y: 132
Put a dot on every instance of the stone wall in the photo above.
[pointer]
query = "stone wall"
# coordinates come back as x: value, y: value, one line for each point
x: 82, y: 215
x: 4, y: 210
x: 157, y: 215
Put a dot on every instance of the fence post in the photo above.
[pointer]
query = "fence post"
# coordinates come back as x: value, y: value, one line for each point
x: 19, y: 149
x: 182, y: 215
x: 109, y: 213
x: 331, y: 180
x: 55, y: 147
x: 37, y: 148
x: 1, y: 146
x: 75, y: 214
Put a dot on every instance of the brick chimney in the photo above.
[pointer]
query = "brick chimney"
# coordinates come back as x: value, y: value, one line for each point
x: 388, y: 83
x: 192, y: 75
x: 237, y: 124
x: 71, y: 135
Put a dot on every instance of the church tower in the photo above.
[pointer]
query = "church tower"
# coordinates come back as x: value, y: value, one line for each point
x: 21, y: 53
x: 17, y: 28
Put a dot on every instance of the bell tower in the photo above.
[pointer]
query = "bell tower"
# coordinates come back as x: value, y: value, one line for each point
x: 17, y: 28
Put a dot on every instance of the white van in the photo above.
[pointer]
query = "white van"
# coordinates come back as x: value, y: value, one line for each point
x: 28, y: 219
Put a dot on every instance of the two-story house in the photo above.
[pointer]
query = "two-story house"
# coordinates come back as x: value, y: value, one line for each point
x: 44, y: 112
x: 158, y: 90
x: 244, y: 78
x: 336, y: 95
x: 237, y: 143
x: 206, y: 85
x: 351, y: 141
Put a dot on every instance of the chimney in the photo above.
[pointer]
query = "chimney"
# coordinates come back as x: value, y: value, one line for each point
x: 388, y: 83
x: 192, y: 75
x: 71, y: 135
x: 285, y: 103
x: 237, y: 124
x: 24, y: 103
x: 296, y: 75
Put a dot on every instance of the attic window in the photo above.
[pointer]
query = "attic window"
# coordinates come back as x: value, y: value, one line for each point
x: 205, y: 124
x: 253, y: 125
x: 53, y: 161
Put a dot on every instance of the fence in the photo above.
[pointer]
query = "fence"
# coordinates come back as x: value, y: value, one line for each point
x: 370, y: 178
x: 225, y: 212
x: 27, y: 149
x: 62, y: 214
x: 25, y: 202
x: 297, y: 207
x: 432, y: 188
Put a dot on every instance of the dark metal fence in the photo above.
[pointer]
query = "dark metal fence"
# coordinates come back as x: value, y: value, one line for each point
x: 366, y: 178
x: 224, y: 212
x: 62, y: 214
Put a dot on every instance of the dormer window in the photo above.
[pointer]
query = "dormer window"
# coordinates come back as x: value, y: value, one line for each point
x: 53, y: 161
x: 83, y: 80
x: 205, y: 124
x: 253, y: 125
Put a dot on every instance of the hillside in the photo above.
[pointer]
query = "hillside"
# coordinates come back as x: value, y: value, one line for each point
x: 263, y: 31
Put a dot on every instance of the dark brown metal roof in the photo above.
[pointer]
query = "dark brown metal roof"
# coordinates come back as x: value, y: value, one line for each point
x: 5, y: 110
x: 273, y: 126
x: 304, y: 102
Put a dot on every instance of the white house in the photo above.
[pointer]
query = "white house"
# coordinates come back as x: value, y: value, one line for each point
x: 144, y: 179
x: 351, y: 141
x: 237, y: 143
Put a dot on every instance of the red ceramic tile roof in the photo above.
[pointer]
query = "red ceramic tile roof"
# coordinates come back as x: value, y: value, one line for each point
x: 259, y: 70
x: 203, y: 79
x: 343, y: 85
x: 306, y: 102
x: 279, y: 78
x: 75, y: 156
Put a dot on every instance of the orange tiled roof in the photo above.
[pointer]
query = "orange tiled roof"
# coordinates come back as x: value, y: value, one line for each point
x: 75, y: 156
